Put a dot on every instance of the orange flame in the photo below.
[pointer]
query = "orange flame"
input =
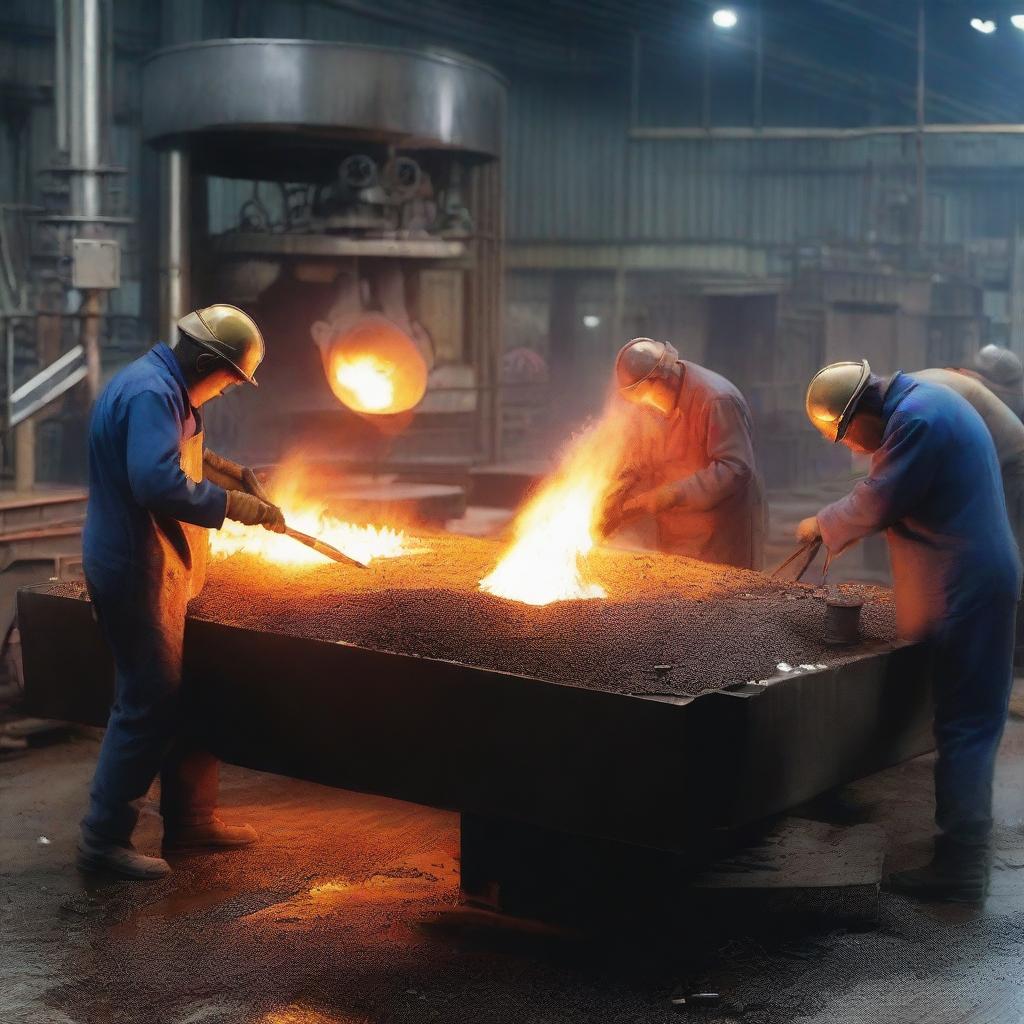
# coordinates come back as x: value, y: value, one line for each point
x: 556, y: 530
x: 366, y: 383
x: 364, y: 543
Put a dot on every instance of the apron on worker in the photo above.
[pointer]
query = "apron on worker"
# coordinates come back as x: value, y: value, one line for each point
x: 197, y: 537
x: 175, y: 569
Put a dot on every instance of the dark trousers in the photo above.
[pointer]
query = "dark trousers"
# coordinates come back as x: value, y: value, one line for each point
x: 146, y: 734
x: 973, y: 674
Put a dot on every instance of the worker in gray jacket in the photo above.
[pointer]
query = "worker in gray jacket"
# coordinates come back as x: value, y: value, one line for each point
x: 691, y: 459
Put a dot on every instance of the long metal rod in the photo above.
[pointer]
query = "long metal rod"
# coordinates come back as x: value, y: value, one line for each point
x: 634, y: 82
x: 705, y: 86
x: 656, y: 133
x: 327, y: 550
x: 625, y: 210
x: 921, y: 171
x: 60, y: 73
x: 53, y: 370
x: 759, y: 65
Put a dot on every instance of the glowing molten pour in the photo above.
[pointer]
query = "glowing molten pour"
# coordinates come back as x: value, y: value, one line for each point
x: 364, y: 543
x: 367, y: 385
x: 374, y: 367
x: 555, y: 531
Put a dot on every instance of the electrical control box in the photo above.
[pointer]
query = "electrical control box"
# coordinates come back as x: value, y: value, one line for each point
x: 95, y: 263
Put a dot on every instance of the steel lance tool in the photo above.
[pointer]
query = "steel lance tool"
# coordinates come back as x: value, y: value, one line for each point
x: 324, y: 549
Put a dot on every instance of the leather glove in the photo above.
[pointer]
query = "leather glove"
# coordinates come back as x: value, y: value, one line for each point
x: 808, y: 530
x: 252, y: 511
x: 232, y: 476
x: 613, y: 513
x: 652, y: 502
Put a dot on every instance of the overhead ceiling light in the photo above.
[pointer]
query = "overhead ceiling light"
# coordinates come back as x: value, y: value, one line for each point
x: 591, y: 321
x: 725, y: 18
x: 1017, y: 21
x: 984, y: 25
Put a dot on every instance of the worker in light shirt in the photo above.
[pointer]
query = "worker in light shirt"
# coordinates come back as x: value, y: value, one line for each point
x: 934, y: 487
x: 691, y: 464
x: 154, y: 492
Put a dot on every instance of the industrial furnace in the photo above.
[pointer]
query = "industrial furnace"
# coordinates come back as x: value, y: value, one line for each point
x: 349, y: 198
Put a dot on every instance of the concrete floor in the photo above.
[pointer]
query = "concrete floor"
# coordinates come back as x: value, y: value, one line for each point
x: 348, y: 911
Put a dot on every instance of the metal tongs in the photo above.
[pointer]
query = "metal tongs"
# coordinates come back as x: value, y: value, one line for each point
x: 802, y: 558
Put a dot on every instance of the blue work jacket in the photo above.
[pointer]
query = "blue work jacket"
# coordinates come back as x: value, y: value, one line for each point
x: 934, y: 486
x: 143, y: 436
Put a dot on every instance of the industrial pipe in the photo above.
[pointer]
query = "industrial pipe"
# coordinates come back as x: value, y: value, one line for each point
x: 85, y: 107
x: 87, y: 137
x: 174, y: 240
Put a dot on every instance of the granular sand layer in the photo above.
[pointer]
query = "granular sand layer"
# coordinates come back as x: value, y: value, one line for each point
x: 669, y: 625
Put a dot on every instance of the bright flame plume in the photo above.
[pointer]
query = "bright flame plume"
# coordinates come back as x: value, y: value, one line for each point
x: 364, y: 543
x: 367, y: 383
x: 556, y: 530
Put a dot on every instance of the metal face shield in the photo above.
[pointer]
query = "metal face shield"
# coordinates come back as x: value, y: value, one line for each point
x: 658, y: 393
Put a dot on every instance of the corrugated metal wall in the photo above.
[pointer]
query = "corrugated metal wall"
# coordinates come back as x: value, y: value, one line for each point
x: 569, y: 158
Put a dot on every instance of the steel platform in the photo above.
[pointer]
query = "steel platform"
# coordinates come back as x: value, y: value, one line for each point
x: 656, y: 772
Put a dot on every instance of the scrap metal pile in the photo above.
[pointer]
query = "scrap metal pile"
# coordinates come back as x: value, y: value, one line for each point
x: 668, y: 625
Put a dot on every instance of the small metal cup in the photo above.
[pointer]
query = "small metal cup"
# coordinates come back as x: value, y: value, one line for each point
x: 842, y: 620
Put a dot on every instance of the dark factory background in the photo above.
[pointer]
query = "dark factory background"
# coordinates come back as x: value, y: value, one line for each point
x: 767, y: 196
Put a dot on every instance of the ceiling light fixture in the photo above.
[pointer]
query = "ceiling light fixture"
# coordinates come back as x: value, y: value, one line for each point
x: 984, y: 25
x: 725, y: 18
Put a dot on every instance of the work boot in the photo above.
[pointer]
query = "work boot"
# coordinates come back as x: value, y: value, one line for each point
x: 121, y: 859
x: 211, y: 835
x: 957, y: 873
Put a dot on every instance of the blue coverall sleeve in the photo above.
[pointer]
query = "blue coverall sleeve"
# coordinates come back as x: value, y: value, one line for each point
x: 154, y: 466
x: 901, y: 472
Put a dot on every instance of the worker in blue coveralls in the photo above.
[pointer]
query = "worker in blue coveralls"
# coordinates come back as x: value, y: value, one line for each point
x: 934, y: 487
x: 154, y: 492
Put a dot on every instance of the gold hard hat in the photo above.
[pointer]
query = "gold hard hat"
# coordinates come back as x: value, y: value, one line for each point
x: 229, y: 333
x: 832, y: 396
